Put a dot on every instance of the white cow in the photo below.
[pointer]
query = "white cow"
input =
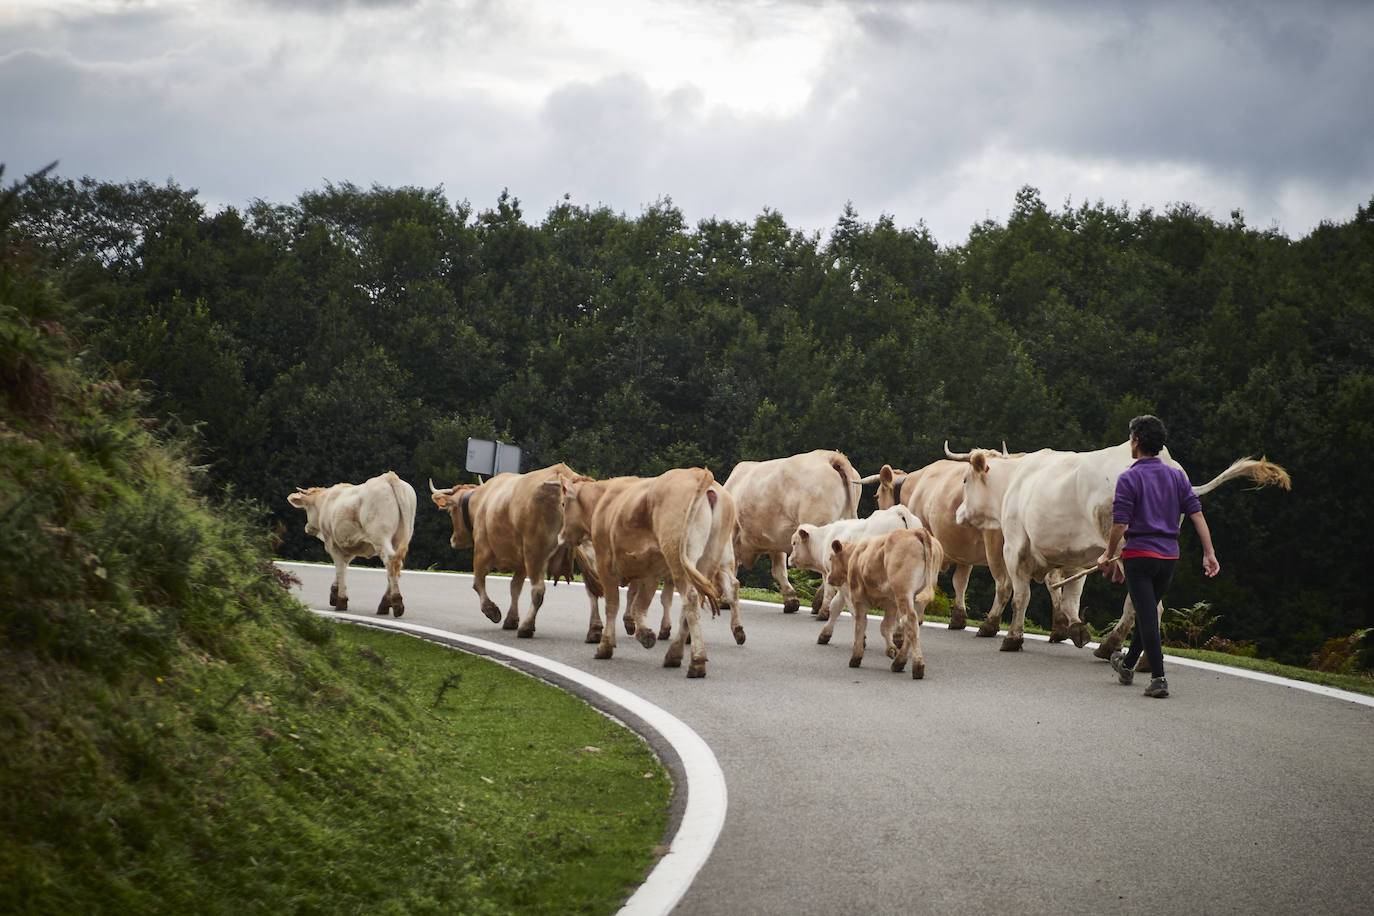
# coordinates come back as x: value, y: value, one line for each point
x: 1054, y: 510
x: 811, y: 550
x: 372, y: 519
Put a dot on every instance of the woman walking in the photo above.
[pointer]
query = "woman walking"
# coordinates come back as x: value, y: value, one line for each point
x: 1150, y: 498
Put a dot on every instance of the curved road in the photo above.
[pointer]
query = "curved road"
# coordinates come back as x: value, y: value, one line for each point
x: 1022, y: 783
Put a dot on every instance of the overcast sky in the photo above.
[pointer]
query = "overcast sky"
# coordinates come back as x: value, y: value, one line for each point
x: 934, y: 112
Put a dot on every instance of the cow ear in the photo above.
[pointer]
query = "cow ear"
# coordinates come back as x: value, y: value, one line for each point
x: 296, y: 500
x: 886, y: 474
x: 836, y: 546
x: 804, y: 534
x: 979, y: 462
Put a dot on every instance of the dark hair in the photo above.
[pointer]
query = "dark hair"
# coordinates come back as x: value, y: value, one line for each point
x: 1149, y: 434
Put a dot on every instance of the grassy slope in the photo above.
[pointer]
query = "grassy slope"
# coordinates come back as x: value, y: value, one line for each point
x: 179, y: 735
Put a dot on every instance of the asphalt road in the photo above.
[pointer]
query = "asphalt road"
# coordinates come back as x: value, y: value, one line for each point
x: 1022, y: 783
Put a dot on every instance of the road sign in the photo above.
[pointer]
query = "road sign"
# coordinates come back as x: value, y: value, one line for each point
x: 492, y: 458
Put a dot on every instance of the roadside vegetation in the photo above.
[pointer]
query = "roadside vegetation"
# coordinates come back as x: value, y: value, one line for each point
x: 179, y: 735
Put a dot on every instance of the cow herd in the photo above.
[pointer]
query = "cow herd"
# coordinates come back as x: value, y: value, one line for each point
x: 1041, y: 516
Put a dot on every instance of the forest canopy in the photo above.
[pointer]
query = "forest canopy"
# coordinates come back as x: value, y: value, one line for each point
x: 359, y: 330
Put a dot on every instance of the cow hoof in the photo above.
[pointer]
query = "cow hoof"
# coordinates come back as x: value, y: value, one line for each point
x: 398, y: 609
x: 892, y: 652
x: 791, y: 606
x: 525, y: 633
x: 816, y: 602
x: 1104, y: 651
x: 594, y: 635
x: 629, y: 623
x: 739, y: 635
x: 383, y: 610
x: 956, y: 624
x: 958, y: 619
x: 1080, y: 634
x: 492, y: 611
x: 823, y: 615
x: 988, y: 629
x: 341, y: 604
x: 897, y: 665
x: 604, y: 651
x: 823, y: 639
x: 1012, y: 643
x: 646, y: 637
x: 898, y: 638
x: 672, y: 660
x: 1058, y: 635
x: 918, y: 671
x: 855, y: 662
x: 333, y: 596
x: 696, y: 669
x: 665, y: 632
x: 509, y: 624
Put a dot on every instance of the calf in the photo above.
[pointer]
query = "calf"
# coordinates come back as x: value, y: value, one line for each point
x: 811, y: 550
x: 895, y: 572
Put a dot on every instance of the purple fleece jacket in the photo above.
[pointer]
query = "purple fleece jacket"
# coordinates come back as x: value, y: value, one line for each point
x: 1150, y: 498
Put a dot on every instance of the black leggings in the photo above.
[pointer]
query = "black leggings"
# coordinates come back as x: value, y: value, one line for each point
x: 1147, y: 579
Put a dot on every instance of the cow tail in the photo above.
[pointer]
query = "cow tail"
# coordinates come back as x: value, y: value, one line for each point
x: 1263, y: 472
x: 706, y: 588
x: 405, y: 502
x: 935, y: 561
x: 849, y: 480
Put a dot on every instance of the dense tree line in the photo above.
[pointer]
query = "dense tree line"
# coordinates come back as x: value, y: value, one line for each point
x: 358, y: 330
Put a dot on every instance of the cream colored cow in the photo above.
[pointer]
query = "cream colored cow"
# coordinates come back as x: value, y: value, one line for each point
x: 776, y: 496
x: 373, y: 519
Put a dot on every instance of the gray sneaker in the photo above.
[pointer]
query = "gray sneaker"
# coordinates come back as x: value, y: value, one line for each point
x: 1159, y: 688
x: 1123, y: 673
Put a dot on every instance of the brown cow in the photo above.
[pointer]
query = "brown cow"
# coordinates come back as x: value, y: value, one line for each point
x: 672, y: 528
x: 774, y: 497
x: 512, y: 523
x: 933, y: 494
x: 373, y: 519
x: 896, y: 572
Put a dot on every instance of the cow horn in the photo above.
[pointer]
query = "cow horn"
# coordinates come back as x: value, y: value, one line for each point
x: 1005, y: 453
x: 962, y: 456
x: 865, y: 481
x: 433, y: 489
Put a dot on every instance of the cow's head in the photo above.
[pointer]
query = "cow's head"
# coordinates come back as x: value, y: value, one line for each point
x: 452, y: 502
x: 840, y: 554
x: 806, y: 553
x: 308, y: 499
x: 577, y: 513
x: 981, y: 506
x: 888, y: 479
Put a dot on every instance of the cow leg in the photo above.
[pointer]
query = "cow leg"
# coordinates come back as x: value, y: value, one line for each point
x: 517, y: 588
x: 481, y: 565
x: 1117, y: 637
x: 538, y: 587
x: 729, y: 591
x: 841, y: 598
x: 1020, y: 599
x: 641, y: 595
x: 392, y: 601
x: 911, y: 643
x: 790, y: 603
x: 338, y: 592
x: 860, y: 611
x: 1066, y: 612
x: 665, y: 626
x: 606, y: 647
x: 689, y: 627
x: 893, y: 637
x: 958, y: 615
x: 594, y: 625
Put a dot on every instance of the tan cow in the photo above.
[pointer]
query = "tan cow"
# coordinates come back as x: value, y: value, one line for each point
x: 776, y: 496
x: 673, y: 528
x: 895, y: 572
x: 373, y: 519
x: 1054, y: 510
x: 933, y: 494
x: 512, y: 523
x: 811, y: 550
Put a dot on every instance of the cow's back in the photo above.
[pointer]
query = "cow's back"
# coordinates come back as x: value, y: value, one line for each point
x: 773, y: 497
